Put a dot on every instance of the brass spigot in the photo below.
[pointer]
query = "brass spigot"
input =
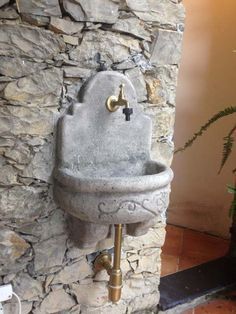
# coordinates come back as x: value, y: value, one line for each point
x: 113, y: 103
x: 103, y: 261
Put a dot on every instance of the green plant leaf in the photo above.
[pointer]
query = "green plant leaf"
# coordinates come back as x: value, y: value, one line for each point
x: 231, y: 189
x: 232, y: 210
x: 227, y: 147
x: 221, y: 114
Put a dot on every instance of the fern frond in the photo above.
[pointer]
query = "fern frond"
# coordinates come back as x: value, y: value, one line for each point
x: 227, y: 147
x: 232, y: 210
x: 231, y: 189
x: 223, y: 113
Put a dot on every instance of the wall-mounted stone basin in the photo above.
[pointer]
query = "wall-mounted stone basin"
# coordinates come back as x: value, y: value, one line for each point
x: 110, y: 196
x: 104, y: 174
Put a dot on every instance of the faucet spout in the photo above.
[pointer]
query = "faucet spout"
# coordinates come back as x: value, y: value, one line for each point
x: 113, y: 103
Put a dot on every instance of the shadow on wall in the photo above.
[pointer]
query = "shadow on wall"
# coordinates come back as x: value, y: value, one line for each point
x: 206, y: 85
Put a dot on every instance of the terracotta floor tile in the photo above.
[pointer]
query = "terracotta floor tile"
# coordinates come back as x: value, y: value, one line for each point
x: 186, y: 248
x: 188, y: 262
x: 169, y: 264
x: 199, y: 248
x: 216, y: 307
x: 174, y: 240
x: 190, y: 311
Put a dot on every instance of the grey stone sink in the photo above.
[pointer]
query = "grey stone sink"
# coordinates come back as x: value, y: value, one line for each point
x: 104, y: 174
x: 107, y: 196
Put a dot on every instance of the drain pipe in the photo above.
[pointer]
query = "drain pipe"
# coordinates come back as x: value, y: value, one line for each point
x: 103, y: 261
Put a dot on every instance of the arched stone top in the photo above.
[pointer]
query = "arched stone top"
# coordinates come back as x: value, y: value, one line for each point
x: 96, y: 142
x: 111, y: 80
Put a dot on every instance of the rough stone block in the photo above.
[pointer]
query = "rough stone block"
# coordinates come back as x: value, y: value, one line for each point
x: 45, y: 228
x: 40, y: 89
x: 24, y: 203
x: 55, y: 302
x: 8, y: 14
x: 27, y: 288
x: 12, y: 308
x: 162, y: 12
x: 39, y: 7
x: 3, y: 2
x: 112, y: 47
x: 70, y: 71
x: 16, y: 120
x: 19, y: 154
x: 153, y: 238
x: 29, y: 42
x: 133, y: 26
x: 163, y: 152
x: 161, y: 84
x: 73, y: 273
x: 150, y: 263
x: 137, y: 287
x: 6, y: 141
x: 104, y: 11
x: 99, y: 297
x: 41, y: 166
x: 46, y: 259
x: 167, y: 48
x: 8, y: 175
x: 136, y: 77
x: 119, y: 308
x: 37, y: 20
x: 12, y: 246
x: 163, y: 119
x: 145, y: 304
x: 71, y: 40
x: 63, y: 26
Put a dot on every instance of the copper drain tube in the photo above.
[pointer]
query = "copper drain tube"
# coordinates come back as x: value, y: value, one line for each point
x: 103, y: 261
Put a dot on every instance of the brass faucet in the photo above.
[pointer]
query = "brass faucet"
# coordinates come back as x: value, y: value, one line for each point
x: 113, y: 103
x: 103, y: 261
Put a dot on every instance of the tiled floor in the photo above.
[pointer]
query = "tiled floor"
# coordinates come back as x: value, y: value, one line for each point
x: 185, y: 248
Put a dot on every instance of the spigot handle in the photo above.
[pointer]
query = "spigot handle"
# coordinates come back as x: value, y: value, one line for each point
x: 121, y: 95
x: 127, y: 112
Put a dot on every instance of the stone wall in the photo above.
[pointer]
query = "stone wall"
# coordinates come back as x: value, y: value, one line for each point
x: 47, y: 50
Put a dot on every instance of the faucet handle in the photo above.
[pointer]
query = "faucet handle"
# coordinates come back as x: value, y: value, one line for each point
x: 122, y: 101
x: 127, y: 112
x: 121, y: 95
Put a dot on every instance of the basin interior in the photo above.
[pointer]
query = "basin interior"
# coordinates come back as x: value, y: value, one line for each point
x: 121, y: 169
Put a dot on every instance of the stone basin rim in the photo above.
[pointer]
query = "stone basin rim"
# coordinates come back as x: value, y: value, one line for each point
x: 139, y: 183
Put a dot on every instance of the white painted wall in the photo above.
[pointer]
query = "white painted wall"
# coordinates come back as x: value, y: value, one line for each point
x: 207, y: 84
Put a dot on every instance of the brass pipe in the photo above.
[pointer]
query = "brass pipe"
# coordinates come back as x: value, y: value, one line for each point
x: 115, y: 282
x: 103, y: 261
x: 117, y: 246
